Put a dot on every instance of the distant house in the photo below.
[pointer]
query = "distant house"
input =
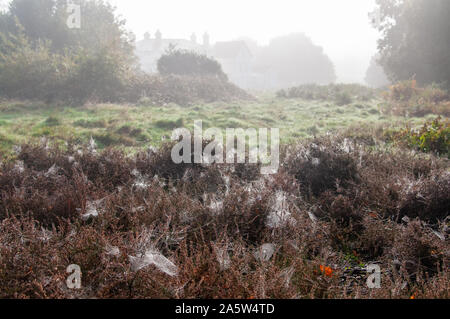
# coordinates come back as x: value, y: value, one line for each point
x: 150, y: 49
x: 236, y: 60
x: 234, y: 56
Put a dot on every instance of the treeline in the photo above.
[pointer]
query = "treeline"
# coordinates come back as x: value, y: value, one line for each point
x: 291, y: 60
x: 42, y: 58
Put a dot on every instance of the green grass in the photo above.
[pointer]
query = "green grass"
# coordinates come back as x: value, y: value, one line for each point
x: 131, y: 127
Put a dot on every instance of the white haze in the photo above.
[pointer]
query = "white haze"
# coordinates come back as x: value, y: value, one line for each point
x: 341, y: 27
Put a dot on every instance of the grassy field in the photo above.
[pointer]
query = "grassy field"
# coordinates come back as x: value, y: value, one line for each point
x: 136, y: 126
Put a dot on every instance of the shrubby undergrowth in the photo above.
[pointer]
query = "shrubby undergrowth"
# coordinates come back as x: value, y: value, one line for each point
x: 80, y: 76
x: 341, y: 94
x: 143, y: 227
x: 406, y: 98
x: 42, y: 59
x: 432, y: 137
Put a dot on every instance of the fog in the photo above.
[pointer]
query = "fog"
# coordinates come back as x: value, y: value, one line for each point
x: 342, y: 28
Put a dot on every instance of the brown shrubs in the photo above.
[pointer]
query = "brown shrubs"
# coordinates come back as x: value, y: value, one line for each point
x: 322, y: 167
x: 334, y: 205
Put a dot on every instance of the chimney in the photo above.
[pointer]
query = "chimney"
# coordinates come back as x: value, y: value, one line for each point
x: 158, y: 38
x: 194, y: 38
x: 158, y: 35
x: 206, y: 40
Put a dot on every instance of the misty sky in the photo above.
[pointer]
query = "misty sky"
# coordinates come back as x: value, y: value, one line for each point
x: 341, y: 27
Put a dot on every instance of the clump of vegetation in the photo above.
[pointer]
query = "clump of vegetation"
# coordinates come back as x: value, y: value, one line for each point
x: 322, y: 167
x: 182, y: 89
x: 432, y: 137
x: 52, y: 121
x: 343, y: 98
x: 405, y: 98
x: 341, y: 94
x: 167, y: 124
x: 183, y: 62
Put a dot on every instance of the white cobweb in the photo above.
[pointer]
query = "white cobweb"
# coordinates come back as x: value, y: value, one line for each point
x: 153, y: 257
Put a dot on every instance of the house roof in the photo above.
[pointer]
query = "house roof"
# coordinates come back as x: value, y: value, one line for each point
x: 160, y: 46
x: 230, y: 49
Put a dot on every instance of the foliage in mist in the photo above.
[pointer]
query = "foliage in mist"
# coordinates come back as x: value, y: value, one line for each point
x: 415, y: 40
x: 375, y: 75
x: 294, y: 60
x: 183, y: 62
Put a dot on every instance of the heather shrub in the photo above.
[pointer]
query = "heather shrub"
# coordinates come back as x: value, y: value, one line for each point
x: 247, y: 172
x: 340, y: 210
x: 427, y: 199
x: 401, y: 183
x: 39, y: 157
x: 322, y: 166
x: 377, y: 237
x: 344, y: 218
x: 245, y: 215
x: 407, y: 91
x: 416, y: 251
x: 160, y: 163
x: 24, y: 247
x: 206, y: 181
x: 46, y: 196
x: 109, y: 170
